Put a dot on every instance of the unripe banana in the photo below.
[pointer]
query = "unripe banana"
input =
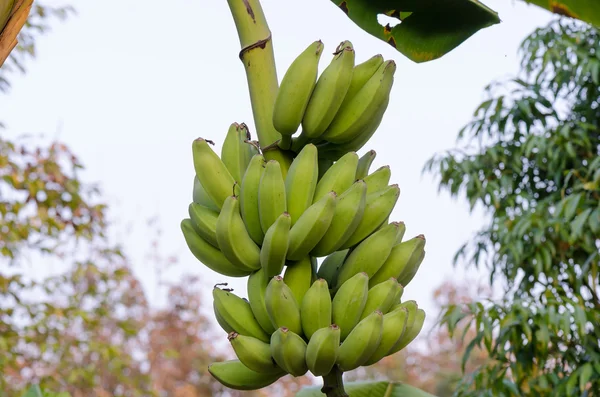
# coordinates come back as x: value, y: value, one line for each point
x: 301, y: 181
x: 409, y: 272
x: 237, y: 376
x: 253, y: 353
x: 257, y: 287
x: 378, y: 207
x: 401, y: 231
x: 311, y: 226
x: 208, y: 254
x: 213, y: 175
x: 329, y: 92
x: 199, y: 196
x: 369, y: 255
x: 403, y: 256
x: 394, y: 325
x: 236, y: 152
x: 349, y: 303
x: 315, y: 309
x: 352, y: 119
x: 362, y: 73
x: 379, y: 179
x: 271, y: 195
x: 299, y: 276
x: 338, y: 178
x: 289, y: 351
x: 364, y: 164
x: 295, y: 90
x: 361, y: 343
x: 249, y: 198
x: 282, y: 308
x: 237, y: 314
x: 275, y: 246
x: 205, y: 222
x: 410, y: 333
x: 329, y: 268
x: 382, y: 297
x: 233, y: 238
x: 349, y: 211
x: 324, y: 165
x: 322, y: 350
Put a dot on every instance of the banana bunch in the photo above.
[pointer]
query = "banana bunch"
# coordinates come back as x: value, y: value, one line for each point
x: 259, y: 219
x: 341, y: 109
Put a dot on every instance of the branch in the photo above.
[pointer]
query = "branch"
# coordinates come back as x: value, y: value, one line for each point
x: 333, y: 384
x: 8, y: 36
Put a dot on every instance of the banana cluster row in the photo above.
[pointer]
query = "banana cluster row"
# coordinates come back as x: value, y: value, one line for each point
x: 358, y: 327
x: 341, y: 109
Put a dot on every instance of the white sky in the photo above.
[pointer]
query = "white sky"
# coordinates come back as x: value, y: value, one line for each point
x: 129, y: 84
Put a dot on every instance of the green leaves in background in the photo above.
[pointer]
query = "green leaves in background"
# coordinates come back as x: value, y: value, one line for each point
x: 35, y: 391
x: 371, y: 389
x: 586, y: 10
x: 428, y: 29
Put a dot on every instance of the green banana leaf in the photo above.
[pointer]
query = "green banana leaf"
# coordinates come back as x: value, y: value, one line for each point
x: 428, y: 28
x: 370, y: 389
x: 586, y: 10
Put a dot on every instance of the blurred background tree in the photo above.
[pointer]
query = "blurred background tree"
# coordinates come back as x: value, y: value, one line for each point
x: 530, y: 158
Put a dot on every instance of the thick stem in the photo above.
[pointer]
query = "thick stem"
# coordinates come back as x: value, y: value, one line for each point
x: 333, y: 385
x: 259, y: 62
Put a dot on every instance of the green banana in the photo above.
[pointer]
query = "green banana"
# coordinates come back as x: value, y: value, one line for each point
x: 361, y: 343
x: 275, y: 246
x: 311, y: 226
x: 401, y: 231
x: 299, y: 277
x: 394, y: 325
x: 364, y: 164
x: 301, y: 181
x: 329, y: 268
x: 315, y: 309
x: 199, y: 196
x: 362, y: 73
x: 295, y: 90
x: 249, y: 198
x: 410, y: 333
x: 271, y: 195
x: 409, y: 272
x: 233, y: 238
x: 329, y: 92
x: 324, y: 166
x: 378, y: 207
x: 369, y: 255
x: 379, y: 179
x: 237, y: 314
x: 212, y: 173
x: 403, y: 256
x: 256, y: 287
x: 360, y: 111
x: 205, y: 222
x: 282, y: 308
x: 289, y: 351
x: 349, y: 302
x: 382, y: 297
x: 338, y: 178
x: 236, y: 152
x: 347, y: 216
x: 322, y: 350
x: 253, y: 353
x: 235, y: 375
x: 209, y: 255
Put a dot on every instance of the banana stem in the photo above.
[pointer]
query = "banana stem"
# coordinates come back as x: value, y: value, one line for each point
x: 333, y: 384
x: 259, y: 62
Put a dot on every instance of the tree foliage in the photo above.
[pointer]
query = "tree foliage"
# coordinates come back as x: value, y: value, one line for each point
x: 530, y: 158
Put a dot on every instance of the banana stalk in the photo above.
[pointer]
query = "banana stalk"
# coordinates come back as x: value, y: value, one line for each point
x: 13, y: 15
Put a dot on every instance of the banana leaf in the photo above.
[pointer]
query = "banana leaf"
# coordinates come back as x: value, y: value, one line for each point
x: 371, y: 389
x: 586, y: 10
x: 427, y: 29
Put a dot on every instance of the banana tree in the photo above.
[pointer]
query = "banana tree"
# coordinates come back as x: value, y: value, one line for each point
x: 13, y: 15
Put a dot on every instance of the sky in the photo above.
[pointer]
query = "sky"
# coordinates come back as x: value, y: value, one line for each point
x: 128, y: 85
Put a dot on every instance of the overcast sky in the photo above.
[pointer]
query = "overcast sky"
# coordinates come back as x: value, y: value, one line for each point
x: 129, y: 84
